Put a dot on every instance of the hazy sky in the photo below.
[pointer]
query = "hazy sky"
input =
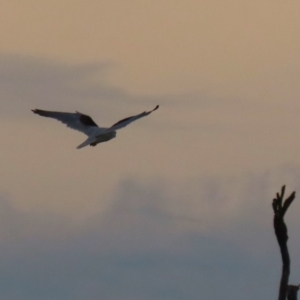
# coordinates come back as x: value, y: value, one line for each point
x: 178, y: 206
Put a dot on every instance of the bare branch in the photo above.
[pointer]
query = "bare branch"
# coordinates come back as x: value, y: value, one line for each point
x: 292, y: 292
x: 282, y: 238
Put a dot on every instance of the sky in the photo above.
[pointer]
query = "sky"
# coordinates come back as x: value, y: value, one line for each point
x: 178, y: 206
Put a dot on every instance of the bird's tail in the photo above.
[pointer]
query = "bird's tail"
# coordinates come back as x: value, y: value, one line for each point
x: 86, y: 143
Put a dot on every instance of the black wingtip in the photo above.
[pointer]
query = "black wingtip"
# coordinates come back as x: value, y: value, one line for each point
x: 40, y: 112
x: 37, y: 111
x: 156, y: 107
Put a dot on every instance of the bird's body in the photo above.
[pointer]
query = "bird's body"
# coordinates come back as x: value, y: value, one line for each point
x: 86, y: 125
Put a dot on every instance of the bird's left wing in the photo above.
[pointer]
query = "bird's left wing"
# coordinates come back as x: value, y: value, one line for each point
x: 77, y: 121
x: 126, y: 121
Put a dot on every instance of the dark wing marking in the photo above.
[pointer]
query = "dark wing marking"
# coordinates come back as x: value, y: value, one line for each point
x: 121, y: 121
x: 86, y: 120
x: 124, y: 122
x: 77, y: 121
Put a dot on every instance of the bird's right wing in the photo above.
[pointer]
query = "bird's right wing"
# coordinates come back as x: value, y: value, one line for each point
x: 128, y: 120
x: 77, y: 121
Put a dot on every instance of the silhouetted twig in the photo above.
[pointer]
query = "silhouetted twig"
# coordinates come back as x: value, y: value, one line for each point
x: 280, y: 207
x: 292, y: 292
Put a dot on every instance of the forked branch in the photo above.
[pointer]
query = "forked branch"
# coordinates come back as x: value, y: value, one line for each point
x: 280, y: 207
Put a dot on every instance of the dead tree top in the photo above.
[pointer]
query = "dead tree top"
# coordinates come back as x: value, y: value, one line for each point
x: 280, y: 207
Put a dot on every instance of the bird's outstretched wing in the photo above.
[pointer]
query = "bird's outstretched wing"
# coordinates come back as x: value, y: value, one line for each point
x: 77, y: 121
x: 126, y: 121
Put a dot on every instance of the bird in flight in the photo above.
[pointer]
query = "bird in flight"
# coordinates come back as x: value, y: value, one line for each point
x: 85, y: 124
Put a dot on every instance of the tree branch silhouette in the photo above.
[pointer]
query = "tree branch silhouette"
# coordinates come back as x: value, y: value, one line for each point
x: 280, y: 207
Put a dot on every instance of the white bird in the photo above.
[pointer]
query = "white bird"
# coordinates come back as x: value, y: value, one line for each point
x: 85, y: 124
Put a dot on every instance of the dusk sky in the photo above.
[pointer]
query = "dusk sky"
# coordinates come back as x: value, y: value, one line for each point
x: 178, y: 206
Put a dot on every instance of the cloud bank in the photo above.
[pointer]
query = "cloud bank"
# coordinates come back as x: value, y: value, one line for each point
x: 153, y: 243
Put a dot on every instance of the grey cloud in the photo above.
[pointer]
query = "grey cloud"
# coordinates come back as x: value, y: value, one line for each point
x: 27, y: 82
x: 30, y: 82
x: 82, y: 266
x: 141, y: 249
x: 36, y: 81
